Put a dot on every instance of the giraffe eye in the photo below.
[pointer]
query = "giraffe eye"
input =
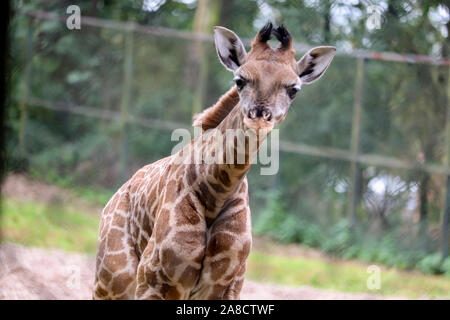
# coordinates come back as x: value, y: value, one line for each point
x: 240, y: 82
x: 292, y: 92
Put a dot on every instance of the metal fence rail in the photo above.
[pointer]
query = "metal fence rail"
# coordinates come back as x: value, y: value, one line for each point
x: 166, y: 32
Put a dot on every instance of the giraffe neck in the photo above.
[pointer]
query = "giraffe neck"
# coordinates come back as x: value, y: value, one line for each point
x: 227, y: 153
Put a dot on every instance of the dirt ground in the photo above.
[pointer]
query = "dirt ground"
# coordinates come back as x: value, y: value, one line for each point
x: 34, y: 273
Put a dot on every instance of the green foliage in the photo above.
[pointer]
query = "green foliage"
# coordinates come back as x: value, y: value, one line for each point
x: 433, y: 264
x: 446, y: 267
x: 286, y: 228
x: 49, y: 225
x: 391, y: 249
x: 342, y: 276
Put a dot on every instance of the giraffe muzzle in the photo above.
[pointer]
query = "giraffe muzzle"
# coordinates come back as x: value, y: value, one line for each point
x: 260, y: 112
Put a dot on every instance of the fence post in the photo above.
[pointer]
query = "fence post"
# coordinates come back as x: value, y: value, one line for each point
x: 354, y: 196
x: 205, y: 17
x: 446, y: 209
x: 26, y: 89
x: 126, y: 99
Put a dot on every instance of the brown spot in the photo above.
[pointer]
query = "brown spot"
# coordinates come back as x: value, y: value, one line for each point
x: 146, y: 224
x: 236, y: 223
x: 151, y: 195
x: 219, y: 242
x: 155, y: 259
x: 205, y: 197
x: 217, y: 187
x: 142, y: 244
x: 151, y: 278
x: 161, y: 232
x: 100, y: 292
x: 114, y: 202
x: 115, y: 262
x: 124, y: 204
x: 114, y: 240
x: 218, y: 292
x: 191, y: 239
x: 170, y: 261
x: 118, y: 221
x: 224, y: 178
x: 191, y: 175
x: 186, y: 212
x: 180, y: 185
x: 169, y: 292
x: 171, y: 193
x: 189, y: 277
x: 139, y: 175
x: 101, y: 249
x: 135, y: 229
x: 121, y: 282
x: 243, y: 254
x: 104, y: 276
x: 162, y: 228
x: 142, y: 202
x: 218, y: 268
x: 209, y: 221
x: 107, y: 208
x: 134, y: 187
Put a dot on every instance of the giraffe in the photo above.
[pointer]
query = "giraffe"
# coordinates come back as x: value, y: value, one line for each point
x: 180, y: 228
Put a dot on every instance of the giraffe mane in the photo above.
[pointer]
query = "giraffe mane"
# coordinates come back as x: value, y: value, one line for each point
x: 210, y: 118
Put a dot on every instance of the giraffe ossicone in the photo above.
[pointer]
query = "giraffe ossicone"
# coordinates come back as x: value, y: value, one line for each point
x: 182, y: 229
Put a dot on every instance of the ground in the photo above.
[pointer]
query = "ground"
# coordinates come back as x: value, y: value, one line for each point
x: 35, y: 273
x: 49, y: 243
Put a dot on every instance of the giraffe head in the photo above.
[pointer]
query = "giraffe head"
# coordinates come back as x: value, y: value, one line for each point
x: 268, y: 79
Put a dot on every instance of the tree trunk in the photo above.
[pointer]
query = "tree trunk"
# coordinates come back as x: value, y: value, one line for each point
x: 423, y: 196
x: 327, y: 21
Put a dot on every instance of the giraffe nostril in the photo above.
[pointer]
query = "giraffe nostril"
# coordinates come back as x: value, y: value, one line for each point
x: 267, y: 115
x: 260, y: 112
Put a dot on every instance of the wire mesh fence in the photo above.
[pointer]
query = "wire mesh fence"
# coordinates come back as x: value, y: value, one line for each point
x: 367, y: 145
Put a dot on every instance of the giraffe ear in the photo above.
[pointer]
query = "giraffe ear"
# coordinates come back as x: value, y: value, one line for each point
x: 314, y: 63
x: 229, y: 47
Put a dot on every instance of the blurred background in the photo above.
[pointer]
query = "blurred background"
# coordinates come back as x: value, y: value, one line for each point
x: 364, y: 173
